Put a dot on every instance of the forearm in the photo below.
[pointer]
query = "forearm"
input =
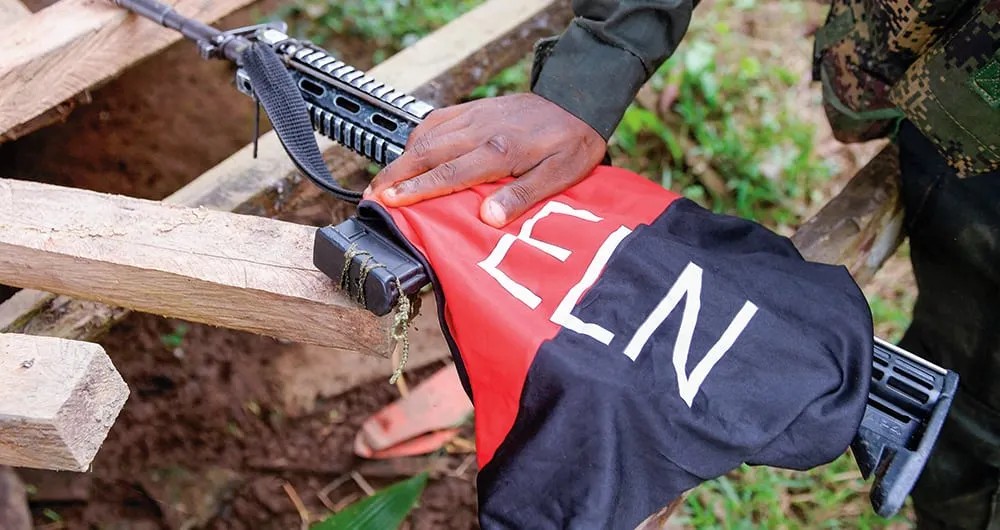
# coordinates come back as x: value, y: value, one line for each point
x: 609, y: 50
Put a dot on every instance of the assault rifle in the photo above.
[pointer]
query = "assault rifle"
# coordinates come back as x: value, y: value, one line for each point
x: 305, y: 90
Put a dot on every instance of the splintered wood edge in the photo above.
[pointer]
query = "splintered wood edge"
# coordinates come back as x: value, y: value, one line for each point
x: 264, y: 186
x: 59, y: 399
x: 862, y: 226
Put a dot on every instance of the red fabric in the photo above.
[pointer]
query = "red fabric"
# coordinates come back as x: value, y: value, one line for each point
x: 497, y: 334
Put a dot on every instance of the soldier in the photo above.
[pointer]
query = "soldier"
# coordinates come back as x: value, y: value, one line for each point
x: 924, y: 73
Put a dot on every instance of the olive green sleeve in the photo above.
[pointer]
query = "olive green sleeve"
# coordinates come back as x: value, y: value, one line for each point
x: 596, y: 67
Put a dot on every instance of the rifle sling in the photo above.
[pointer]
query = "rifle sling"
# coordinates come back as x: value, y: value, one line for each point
x: 283, y: 103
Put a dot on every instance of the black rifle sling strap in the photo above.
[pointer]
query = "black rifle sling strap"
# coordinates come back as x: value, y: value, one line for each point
x: 286, y: 109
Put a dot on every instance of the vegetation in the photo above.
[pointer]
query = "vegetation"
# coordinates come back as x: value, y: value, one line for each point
x: 733, y: 122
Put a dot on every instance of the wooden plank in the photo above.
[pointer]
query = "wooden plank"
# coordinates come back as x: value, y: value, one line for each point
x: 58, y: 400
x: 219, y: 268
x: 269, y: 184
x: 56, y: 114
x: 863, y: 225
x: 71, y: 46
x: 12, y: 11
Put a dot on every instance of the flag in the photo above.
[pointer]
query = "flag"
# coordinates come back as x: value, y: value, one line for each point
x: 621, y: 345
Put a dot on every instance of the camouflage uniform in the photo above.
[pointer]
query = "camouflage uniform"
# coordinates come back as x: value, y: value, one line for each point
x: 927, y: 73
x: 932, y: 62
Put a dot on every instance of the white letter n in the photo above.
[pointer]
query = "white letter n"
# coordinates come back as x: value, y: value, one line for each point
x: 689, y: 283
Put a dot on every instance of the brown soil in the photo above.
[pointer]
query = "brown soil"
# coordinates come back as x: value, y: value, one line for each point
x: 204, y: 436
x: 205, y: 425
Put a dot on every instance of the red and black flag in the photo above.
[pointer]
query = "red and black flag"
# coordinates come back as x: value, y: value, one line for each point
x: 622, y: 344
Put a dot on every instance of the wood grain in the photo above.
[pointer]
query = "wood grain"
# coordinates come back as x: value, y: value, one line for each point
x: 74, y: 45
x: 237, y: 271
x: 468, y: 50
x: 862, y: 226
x: 58, y: 400
x: 12, y: 11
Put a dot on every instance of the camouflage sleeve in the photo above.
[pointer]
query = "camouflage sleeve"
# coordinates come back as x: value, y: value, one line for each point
x: 596, y: 67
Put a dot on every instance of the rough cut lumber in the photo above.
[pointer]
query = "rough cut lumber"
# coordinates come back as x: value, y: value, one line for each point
x: 58, y: 400
x: 74, y: 45
x: 12, y: 11
x: 862, y: 226
x: 56, y: 114
x: 466, y: 52
x: 219, y: 268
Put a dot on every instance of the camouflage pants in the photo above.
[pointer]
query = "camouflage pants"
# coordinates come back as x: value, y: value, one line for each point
x: 954, y: 231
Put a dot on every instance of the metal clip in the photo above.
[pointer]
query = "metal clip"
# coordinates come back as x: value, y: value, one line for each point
x: 213, y: 49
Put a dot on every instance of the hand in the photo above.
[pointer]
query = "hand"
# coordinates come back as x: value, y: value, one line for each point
x: 525, y: 136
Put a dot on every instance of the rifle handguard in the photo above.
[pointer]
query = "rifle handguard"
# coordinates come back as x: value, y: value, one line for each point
x: 908, y: 402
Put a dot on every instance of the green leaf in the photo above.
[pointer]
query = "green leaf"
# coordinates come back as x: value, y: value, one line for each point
x: 385, y: 510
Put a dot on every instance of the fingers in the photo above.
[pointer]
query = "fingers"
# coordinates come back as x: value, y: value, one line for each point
x: 553, y: 175
x: 426, y: 153
x: 483, y: 164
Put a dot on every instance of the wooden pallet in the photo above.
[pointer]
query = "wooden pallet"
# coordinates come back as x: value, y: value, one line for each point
x: 82, y: 273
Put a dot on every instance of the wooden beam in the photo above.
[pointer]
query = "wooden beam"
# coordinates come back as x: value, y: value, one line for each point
x: 56, y: 114
x: 58, y: 400
x: 465, y: 53
x: 862, y: 226
x: 12, y: 11
x: 219, y: 268
x: 72, y: 46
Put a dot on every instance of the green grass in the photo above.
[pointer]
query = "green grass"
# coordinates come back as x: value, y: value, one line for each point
x: 828, y: 497
x: 719, y: 125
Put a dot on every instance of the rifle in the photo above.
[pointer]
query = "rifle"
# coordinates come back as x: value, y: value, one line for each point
x: 305, y: 90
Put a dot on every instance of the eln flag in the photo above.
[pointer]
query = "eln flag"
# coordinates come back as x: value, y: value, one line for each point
x: 622, y: 344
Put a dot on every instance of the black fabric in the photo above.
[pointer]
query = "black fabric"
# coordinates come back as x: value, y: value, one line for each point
x: 953, y: 225
x: 286, y: 109
x: 601, y: 441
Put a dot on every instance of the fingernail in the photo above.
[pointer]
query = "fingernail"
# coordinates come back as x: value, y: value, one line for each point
x: 390, y: 194
x: 494, y: 213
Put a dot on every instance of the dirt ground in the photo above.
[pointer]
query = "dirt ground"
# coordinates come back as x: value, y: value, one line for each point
x: 206, y: 438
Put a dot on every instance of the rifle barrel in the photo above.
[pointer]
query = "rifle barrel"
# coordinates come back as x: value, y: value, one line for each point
x: 166, y: 16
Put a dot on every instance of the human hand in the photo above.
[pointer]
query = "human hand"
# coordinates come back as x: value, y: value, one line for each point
x: 524, y: 135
